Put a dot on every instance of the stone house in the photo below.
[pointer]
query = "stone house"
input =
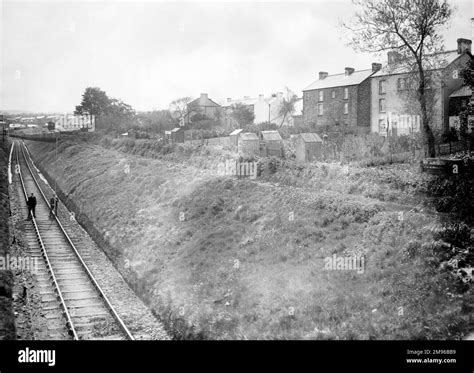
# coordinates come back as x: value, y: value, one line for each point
x: 394, y: 108
x: 339, y: 99
x: 205, y: 106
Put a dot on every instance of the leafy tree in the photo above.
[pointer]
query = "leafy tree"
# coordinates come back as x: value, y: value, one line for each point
x: 242, y: 114
x: 110, y: 113
x: 155, y: 121
x: 119, y: 108
x: 94, y: 102
x: 409, y: 27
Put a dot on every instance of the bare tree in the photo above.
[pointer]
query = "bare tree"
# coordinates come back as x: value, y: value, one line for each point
x: 288, y: 105
x: 410, y: 27
x: 179, y: 107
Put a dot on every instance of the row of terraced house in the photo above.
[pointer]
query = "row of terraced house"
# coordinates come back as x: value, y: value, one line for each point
x: 380, y: 99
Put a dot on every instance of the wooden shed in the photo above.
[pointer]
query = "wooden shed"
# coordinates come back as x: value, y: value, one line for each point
x: 234, y: 137
x: 308, y: 147
x: 272, y: 144
x: 248, y: 143
x: 177, y: 135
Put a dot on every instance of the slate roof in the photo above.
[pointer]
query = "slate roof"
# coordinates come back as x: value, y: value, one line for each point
x: 271, y: 136
x: 340, y: 80
x: 310, y: 137
x: 433, y: 62
x: 236, y: 132
x: 248, y: 136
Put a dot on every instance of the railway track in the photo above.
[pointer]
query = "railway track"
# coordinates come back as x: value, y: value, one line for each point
x: 74, y: 305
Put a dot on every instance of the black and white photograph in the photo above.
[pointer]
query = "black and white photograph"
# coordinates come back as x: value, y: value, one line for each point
x: 237, y: 173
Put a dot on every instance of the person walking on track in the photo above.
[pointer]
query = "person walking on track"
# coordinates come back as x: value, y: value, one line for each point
x: 31, y: 203
x: 52, y: 203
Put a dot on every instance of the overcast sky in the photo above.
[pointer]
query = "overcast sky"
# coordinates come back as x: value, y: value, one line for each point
x: 149, y: 53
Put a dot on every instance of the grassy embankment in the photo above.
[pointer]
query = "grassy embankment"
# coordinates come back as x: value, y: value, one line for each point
x: 244, y: 258
x: 7, y: 318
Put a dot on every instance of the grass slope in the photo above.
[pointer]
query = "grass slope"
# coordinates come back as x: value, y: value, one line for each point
x: 219, y: 257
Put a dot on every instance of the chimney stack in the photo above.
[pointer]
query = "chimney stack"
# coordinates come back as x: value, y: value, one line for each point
x: 393, y: 57
x: 376, y: 67
x: 464, y: 45
x: 349, y: 70
x: 203, y: 96
x: 260, y: 96
x: 323, y: 75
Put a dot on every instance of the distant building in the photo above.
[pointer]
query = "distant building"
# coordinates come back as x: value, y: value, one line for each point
x: 204, y: 106
x: 308, y: 147
x: 392, y: 108
x: 229, y: 104
x: 267, y: 109
x: 248, y: 143
x: 339, y: 99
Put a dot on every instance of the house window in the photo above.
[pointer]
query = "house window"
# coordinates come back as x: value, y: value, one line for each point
x: 382, y: 105
x: 333, y: 94
x: 320, y: 109
x: 346, y: 93
x: 346, y: 108
x: 382, y: 87
x: 321, y: 95
x: 401, y: 84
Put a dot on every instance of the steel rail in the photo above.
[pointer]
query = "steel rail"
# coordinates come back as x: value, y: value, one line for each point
x: 84, y: 265
x: 69, y: 323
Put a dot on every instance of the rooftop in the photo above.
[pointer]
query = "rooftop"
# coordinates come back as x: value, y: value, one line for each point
x: 310, y: 137
x: 433, y: 62
x: 340, y: 80
x: 237, y: 131
x: 271, y: 136
x: 244, y: 101
x: 248, y: 136
x: 462, y: 92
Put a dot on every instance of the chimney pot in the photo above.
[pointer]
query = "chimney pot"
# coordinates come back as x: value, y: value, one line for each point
x: 376, y: 67
x: 349, y: 70
x: 464, y: 45
x: 323, y: 75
